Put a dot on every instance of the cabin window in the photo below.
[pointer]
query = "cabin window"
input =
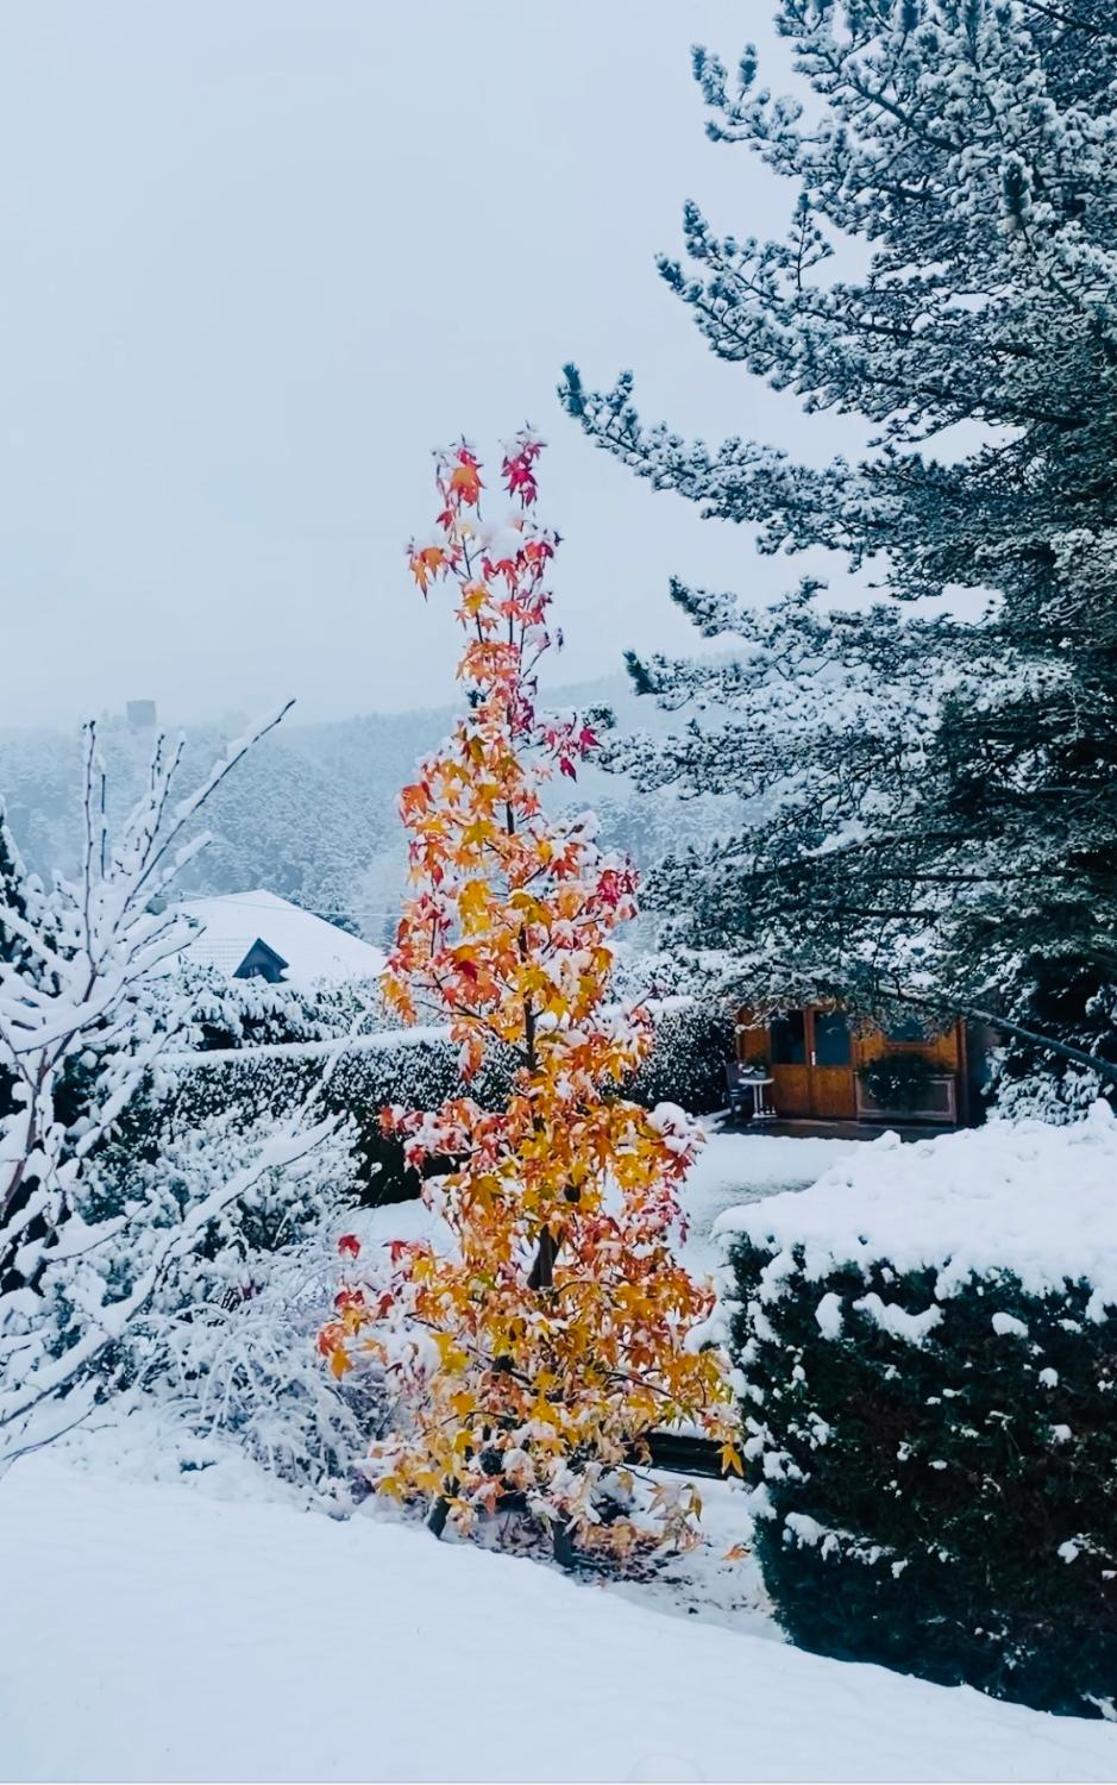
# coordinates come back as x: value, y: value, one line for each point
x: 831, y: 1038
x: 909, y: 1028
x: 789, y: 1039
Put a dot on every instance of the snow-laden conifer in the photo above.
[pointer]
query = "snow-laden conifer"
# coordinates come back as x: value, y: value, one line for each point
x: 933, y: 802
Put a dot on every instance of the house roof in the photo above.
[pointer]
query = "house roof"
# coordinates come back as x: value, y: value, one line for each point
x: 312, y: 948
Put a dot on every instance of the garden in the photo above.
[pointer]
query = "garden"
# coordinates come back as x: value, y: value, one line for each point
x: 466, y: 1372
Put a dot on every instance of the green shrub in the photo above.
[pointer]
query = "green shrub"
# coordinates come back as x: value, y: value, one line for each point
x: 417, y: 1069
x: 933, y: 1454
x: 687, y: 1066
x: 898, y: 1081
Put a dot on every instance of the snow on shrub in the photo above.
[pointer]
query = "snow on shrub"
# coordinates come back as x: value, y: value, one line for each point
x: 210, y: 1010
x: 81, y: 1031
x: 419, y: 1069
x: 926, y: 1346
x: 693, y: 1041
x: 373, y: 1072
x: 224, y: 1338
x: 227, y: 1342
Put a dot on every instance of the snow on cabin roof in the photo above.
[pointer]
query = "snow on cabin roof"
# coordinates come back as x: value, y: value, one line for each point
x: 312, y: 948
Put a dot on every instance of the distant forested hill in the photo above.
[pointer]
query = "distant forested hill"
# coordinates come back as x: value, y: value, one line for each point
x: 311, y: 812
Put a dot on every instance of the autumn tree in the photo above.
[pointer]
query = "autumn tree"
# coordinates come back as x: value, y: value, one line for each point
x: 533, y: 1353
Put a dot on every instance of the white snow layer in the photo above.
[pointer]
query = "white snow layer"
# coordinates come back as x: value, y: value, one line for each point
x: 735, y: 1168
x: 313, y: 949
x: 1023, y: 1197
x: 153, y: 1632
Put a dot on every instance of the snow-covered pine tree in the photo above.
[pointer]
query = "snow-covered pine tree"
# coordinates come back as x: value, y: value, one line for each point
x: 933, y: 799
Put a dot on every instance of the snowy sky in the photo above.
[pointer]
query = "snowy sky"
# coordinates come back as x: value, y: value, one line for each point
x: 261, y: 257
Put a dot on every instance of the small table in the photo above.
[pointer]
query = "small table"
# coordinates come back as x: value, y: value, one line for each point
x: 759, y: 1084
x: 762, y: 1105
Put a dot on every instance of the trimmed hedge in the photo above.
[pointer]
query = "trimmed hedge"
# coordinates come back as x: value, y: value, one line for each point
x: 419, y: 1071
x: 687, y: 1064
x: 258, y: 1083
x: 936, y: 1479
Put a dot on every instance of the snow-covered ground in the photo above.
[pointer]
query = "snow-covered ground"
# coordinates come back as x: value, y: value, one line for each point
x: 731, y: 1169
x: 157, y: 1632
x: 743, y: 1167
x: 206, y: 1626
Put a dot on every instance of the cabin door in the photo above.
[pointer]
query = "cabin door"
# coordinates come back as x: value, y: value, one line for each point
x: 812, y: 1065
x: 833, y: 1088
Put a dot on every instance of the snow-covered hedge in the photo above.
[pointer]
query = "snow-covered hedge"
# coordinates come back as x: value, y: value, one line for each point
x: 926, y: 1343
x: 418, y: 1068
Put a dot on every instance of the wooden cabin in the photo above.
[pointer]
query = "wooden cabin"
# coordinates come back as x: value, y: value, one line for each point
x: 815, y: 1058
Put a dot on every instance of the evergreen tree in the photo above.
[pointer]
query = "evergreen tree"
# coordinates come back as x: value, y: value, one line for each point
x: 932, y: 798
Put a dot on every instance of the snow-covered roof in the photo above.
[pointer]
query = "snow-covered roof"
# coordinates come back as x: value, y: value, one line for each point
x: 312, y: 948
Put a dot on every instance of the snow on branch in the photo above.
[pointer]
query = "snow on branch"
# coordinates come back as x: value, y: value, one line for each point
x: 80, y: 1028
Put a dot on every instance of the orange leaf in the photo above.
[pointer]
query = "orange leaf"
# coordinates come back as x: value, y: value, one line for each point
x: 465, y: 480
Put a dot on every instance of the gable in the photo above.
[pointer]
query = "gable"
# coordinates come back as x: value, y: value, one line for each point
x: 306, y: 949
x: 261, y: 962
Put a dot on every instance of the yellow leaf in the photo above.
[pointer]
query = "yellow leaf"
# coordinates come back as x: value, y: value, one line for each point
x: 473, y: 904
x: 731, y: 1457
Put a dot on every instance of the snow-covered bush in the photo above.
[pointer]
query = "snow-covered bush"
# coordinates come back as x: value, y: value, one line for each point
x: 79, y: 1036
x: 370, y: 1073
x: 419, y: 1069
x: 212, y: 1011
x: 693, y: 1042
x: 1047, y: 1095
x: 227, y: 1339
x: 1030, y: 1082
x: 926, y: 1343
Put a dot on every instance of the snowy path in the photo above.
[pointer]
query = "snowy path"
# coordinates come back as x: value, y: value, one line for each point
x: 743, y: 1167
x: 731, y: 1168
x: 152, y: 1632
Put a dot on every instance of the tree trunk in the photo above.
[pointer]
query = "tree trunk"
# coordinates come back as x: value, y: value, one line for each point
x: 562, y: 1544
x: 543, y: 1270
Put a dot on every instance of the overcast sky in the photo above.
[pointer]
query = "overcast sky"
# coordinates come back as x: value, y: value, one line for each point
x: 261, y: 255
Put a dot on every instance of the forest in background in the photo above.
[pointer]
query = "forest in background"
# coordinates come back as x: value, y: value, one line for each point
x: 311, y: 813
